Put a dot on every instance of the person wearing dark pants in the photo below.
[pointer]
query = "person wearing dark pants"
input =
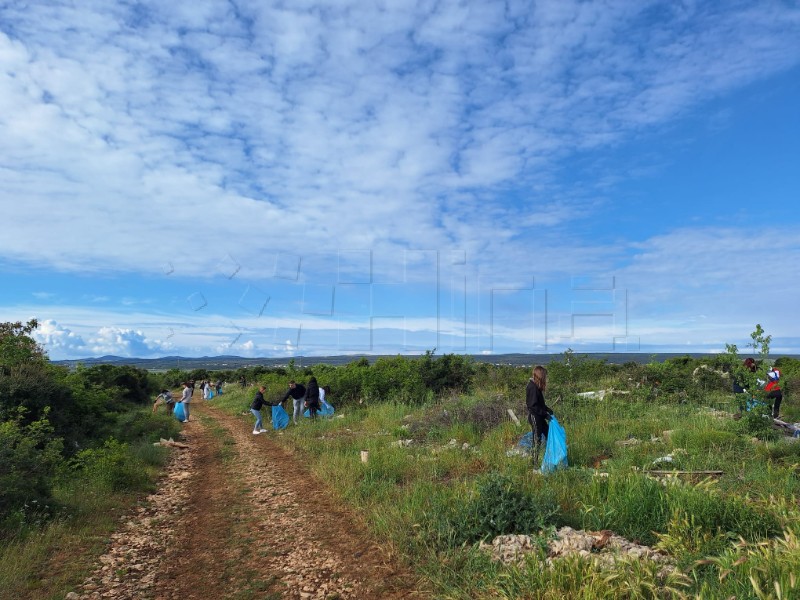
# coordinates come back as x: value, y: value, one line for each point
x: 312, y: 397
x: 774, y: 392
x: 538, y: 412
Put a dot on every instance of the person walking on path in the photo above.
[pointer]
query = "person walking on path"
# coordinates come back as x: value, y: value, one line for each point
x: 298, y: 393
x: 538, y: 412
x: 186, y: 398
x: 312, y: 397
x: 255, y: 408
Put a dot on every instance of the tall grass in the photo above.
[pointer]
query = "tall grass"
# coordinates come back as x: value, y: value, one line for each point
x: 424, y: 499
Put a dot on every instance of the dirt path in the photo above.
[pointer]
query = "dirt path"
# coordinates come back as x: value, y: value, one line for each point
x: 237, y: 516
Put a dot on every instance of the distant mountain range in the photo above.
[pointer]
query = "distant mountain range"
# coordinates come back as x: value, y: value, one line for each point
x: 227, y: 362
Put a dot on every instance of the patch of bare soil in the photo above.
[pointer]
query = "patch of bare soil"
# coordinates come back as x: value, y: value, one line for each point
x: 237, y: 516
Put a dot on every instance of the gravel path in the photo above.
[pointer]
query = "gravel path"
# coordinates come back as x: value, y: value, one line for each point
x: 237, y: 516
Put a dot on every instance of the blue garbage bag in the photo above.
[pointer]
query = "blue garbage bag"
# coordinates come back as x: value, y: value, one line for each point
x: 555, y: 453
x: 178, y: 411
x: 210, y: 394
x: 753, y: 403
x: 325, y: 410
x: 279, y: 417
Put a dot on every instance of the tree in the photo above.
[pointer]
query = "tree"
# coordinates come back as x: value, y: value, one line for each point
x: 17, y: 346
x: 747, y: 378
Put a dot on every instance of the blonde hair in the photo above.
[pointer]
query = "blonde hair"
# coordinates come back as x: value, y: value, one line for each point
x: 540, y: 377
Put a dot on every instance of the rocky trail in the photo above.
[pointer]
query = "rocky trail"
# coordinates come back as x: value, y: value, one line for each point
x: 238, y: 516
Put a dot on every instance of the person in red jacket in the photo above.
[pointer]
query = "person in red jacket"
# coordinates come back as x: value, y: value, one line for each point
x: 773, y: 389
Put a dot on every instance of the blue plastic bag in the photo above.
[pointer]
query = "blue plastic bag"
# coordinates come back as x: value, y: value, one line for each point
x: 279, y: 417
x: 178, y: 411
x: 753, y: 403
x: 325, y: 410
x: 526, y: 441
x: 210, y: 394
x: 555, y: 453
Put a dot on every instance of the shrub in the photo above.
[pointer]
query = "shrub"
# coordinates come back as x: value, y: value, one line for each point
x: 757, y: 422
x: 113, y: 467
x: 29, y: 458
x: 500, y: 507
x: 142, y: 425
x: 131, y: 384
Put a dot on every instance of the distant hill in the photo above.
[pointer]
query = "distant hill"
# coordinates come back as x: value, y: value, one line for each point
x: 226, y: 362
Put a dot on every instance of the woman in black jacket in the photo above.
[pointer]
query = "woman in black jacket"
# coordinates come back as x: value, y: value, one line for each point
x: 255, y: 408
x: 538, y: 412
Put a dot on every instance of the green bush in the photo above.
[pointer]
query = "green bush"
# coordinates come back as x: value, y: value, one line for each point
x: 37, y: 386
x: 143, y: 425
x: 129, y: 383
x: 29, y: 459
x: 757, y: 422
x: 500, y: 506
x: 113, y: 467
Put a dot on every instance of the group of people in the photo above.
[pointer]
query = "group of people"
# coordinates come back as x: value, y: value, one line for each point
x: 771, y: 386
x: 310, y: 396
x: 166, y: 398
x: 539, y: 413
x: 210, y: 388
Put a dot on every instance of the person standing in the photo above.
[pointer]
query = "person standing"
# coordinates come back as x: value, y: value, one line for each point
x: 255, y: 408
x: 774, y: 392
x: 538, y: 412
x: 186, y: 398
x: 312, y: 397
x: 749, y: 365
x: 298, y: 393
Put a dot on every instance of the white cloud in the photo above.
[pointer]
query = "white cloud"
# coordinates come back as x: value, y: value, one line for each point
x: 744, y: 276
x: 58, y: 340
x: 125, y: 342
x: 365, y: 121
x: 166, y: 138
x: 64, y: 342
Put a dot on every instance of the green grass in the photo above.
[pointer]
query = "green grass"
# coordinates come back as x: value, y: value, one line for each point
x: 415, y: 497
x: 731, y: 536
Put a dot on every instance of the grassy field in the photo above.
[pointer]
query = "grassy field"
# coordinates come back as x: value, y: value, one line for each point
x: 435, y: 497
x: 442, y: 477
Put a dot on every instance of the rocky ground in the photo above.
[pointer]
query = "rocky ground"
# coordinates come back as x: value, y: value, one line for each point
x: 237, y: 516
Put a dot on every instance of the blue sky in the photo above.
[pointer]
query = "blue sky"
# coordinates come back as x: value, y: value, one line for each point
x: 280, y: 179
